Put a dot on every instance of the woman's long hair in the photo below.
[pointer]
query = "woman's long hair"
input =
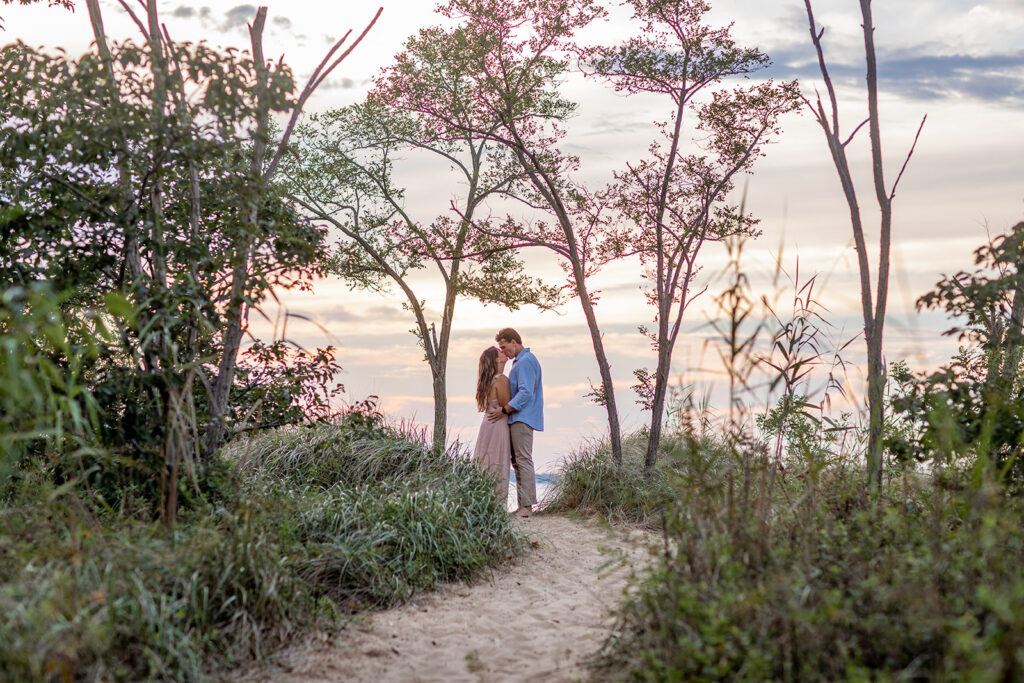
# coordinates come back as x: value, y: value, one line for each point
x: 485, y: 377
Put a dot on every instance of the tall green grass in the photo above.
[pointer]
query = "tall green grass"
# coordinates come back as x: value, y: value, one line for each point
x: 312, y: 524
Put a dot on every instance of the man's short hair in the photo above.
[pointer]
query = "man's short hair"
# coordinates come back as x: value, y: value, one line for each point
x: 509, y: 335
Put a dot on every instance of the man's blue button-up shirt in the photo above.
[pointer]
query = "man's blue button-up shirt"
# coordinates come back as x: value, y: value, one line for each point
x: 527, y: 391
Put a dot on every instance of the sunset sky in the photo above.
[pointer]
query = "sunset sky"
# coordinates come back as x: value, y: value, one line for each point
x: 961, y: 62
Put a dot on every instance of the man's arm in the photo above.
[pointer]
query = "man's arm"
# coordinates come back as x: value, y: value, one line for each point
x: 504, y: 392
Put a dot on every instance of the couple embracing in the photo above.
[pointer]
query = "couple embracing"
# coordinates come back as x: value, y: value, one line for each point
x: 514, y: 407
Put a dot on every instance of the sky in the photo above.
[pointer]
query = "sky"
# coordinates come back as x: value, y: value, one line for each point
x: 960, y: 62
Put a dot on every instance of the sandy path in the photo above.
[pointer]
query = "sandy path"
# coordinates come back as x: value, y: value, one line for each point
x: 535, y: 620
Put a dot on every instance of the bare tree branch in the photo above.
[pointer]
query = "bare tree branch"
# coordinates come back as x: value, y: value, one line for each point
x: 907, y: 160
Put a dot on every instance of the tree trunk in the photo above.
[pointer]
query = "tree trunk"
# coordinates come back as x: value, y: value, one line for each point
x: 440, y: 411
x: 607, y: 389
x: 876, y: 392
x: 231, y: 341
x: 441, y: 360
x: 237, y: 303
x: 658, y: 407
x: 876, y: 366
x: 551, y: 194
x: 873, y: 307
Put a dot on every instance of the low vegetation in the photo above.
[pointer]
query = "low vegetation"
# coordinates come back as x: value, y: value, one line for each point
x: 778, y: 562
x: 773, y: 572
x: 303, y: 527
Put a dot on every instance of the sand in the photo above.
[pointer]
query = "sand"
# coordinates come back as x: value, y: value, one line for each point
x: 538, y: 619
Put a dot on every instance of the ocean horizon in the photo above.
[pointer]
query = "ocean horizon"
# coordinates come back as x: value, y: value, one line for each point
x: 546, y: 482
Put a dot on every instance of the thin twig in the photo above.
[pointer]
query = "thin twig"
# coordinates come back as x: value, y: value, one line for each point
x: 909, y: 154
x: 135, y: 18
x: 850, y: 139
x: 319, y: 74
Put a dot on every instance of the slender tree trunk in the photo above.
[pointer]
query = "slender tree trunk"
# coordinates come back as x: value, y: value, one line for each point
x: 549, y: 191
x: 665, y: 290
x: 661, y: 379
x: 176, y: 445
x: 133, y: 257
x: 873, y: 303
x: 441, y: 374
x: 237, y: 304
x: 440, y: 410
x: 876, y: 365
x: 876, y: 395
x: 604, y: 367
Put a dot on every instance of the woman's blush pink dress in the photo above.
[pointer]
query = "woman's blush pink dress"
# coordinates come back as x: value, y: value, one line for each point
x: 493, y: 452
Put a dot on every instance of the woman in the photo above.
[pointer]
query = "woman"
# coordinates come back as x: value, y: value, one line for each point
x: 493, y: 452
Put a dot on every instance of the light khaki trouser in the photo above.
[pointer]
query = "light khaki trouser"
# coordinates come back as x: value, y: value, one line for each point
x: 522, y: 463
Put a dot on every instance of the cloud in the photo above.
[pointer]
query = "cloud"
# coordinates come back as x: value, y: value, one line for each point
x: 342, y: 313
x: 238, y: 16
x: 337, y: 84
x: 912, y: 73
x: 943, y: 50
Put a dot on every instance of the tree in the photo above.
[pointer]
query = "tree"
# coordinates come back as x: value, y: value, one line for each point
x: 136, y: 181
x: 342, y: 177
x: 873, y: 300
x: 510, y: 56
x: 676, y: 199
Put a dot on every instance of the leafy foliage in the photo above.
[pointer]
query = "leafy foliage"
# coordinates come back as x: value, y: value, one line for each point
x: 274, y: 555
x: 46, y: 410
x: 126, y: 185
x: 280, y: 384
x: 676, y: 199
x: 973, y: 407
x: 792, y: 574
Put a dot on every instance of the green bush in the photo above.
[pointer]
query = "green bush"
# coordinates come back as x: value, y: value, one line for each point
x: 591, y: 484
x: 349, y: 451
x: 45, y: 406
x: 804, y: 578
x: 279, y: 550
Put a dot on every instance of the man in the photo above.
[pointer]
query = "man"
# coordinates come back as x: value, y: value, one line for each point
x: 524, y: 412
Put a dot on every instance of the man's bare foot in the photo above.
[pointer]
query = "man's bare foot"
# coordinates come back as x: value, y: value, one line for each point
x: 523, y: 512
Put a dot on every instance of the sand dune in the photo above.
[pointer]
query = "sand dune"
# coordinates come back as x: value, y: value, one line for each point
x: 536, y: 620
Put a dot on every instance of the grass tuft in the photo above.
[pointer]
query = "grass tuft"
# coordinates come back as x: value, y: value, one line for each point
x: 315, y: 523
x: 783, y: 571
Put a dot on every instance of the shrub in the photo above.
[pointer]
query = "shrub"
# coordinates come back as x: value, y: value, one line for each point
x: 45, y: 407
x: 592, y: 484
x: 822, y: 584
x: 316, y: 529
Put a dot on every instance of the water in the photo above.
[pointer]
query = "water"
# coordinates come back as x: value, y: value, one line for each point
x: 545, y: 484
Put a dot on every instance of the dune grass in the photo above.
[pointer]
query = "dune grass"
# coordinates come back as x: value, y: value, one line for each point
x: 788, y: 571
x: 591, y: 484
x: 309, y: 525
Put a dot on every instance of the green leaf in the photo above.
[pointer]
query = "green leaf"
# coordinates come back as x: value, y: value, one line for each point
x: 119, y: 307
